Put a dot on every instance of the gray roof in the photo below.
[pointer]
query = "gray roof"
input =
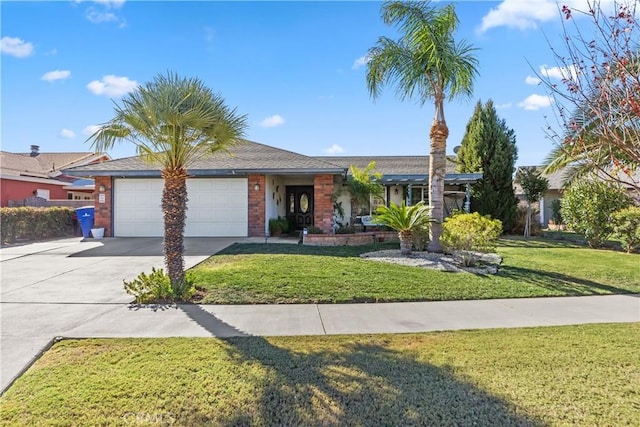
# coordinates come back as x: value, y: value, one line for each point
x: 404, y: 170
x: 252, y: 157
x: 390, y: 165
x: 243, y: 158
x: 43, y: 165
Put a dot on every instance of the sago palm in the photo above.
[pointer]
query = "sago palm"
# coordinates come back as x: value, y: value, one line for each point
x: 425, y: 62
x: 172, y: 121
x: 405, y: 220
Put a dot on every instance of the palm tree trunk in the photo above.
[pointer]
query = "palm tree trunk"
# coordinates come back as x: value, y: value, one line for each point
x: 437, y: 168
x: 174, y: 208
x: 406, y: 242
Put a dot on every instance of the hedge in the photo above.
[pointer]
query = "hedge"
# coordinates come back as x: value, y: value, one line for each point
x: 28, y: 223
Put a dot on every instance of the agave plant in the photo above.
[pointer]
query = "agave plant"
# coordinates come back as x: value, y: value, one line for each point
x: 405, y: 220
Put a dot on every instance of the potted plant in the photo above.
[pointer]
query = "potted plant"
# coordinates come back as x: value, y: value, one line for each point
x: 275, y: 227
x: 405, y: 220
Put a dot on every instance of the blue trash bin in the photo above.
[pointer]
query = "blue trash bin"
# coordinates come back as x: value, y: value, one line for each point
x: 86, y: 215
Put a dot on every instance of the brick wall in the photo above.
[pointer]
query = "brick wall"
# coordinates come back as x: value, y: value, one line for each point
x: 256, y: 205
x: 103, y: 212
x: 323, y: 210
x: 350, y: 239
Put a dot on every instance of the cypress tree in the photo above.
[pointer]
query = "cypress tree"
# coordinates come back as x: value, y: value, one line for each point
x: 489, y: 146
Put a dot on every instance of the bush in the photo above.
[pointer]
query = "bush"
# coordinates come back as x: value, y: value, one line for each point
x: 278, y: 226
x: 156, y: 287
x: 314, y: 230
x: 626, y: 227
x: 556, y: 212
x: 345, y: 230
x: 464, y: 234
x: 587, y: 207
x: 28, y: 223
x: 521, y: 220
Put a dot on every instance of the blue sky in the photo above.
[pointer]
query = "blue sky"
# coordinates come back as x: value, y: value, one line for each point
x: 295, y: 68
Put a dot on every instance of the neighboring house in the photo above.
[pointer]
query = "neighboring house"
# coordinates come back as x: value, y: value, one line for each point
x: 557, y: 182
x: 235, y: 195
x: 24, y: 175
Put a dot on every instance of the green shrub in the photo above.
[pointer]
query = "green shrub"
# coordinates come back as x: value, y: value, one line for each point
x: 464, y: 234
x: 626, y: 227
x: 345, y: 230
x: 156, y: 287
x: 28, y: 223
x: 587, y: 207
x: 314, y: 230
x: 556, y: 212
x: 406, y: 220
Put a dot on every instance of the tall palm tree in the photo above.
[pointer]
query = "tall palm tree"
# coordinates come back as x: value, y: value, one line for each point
x: 427, y: 62
x: 172, y: 121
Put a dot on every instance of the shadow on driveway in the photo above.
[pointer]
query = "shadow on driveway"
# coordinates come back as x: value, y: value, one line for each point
x: 153, y: 246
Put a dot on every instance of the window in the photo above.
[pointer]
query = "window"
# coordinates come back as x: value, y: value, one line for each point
x: 43, y: 193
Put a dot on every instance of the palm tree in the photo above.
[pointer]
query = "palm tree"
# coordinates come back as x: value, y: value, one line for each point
x: 362, y: 184
x: 427, y: 62
x: 172, y: 121
x: 405, y: 220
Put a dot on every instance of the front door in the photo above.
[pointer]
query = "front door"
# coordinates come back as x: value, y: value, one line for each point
x: 300, y: 205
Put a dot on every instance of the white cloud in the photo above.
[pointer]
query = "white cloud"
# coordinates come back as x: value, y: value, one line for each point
x: 66, y: 133
x: 530, y: 80
x: 16, y: 47
x: 90, y: 130
x: 99, y: 17
x: 535, y: 102
x: 56, y: 75
x: 503, y: 106
x: 272, y: 121
x: 334, y: 149
x: 111, y: 85
x: 528, y: 14
x: 361, y: 62
x: 110, y: 3
x: 522, y: 15
x: 559, y: 73
x: 325, y: 97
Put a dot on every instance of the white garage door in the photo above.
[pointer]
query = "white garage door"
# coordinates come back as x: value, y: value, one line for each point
x: 216, y: 207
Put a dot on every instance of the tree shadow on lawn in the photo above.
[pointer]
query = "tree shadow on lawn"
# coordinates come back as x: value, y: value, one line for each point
x: 356, y: 382
x: 537, y: 242
x: 567, y: 285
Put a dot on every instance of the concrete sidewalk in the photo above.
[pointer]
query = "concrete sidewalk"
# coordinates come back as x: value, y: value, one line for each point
x: 69, y: 288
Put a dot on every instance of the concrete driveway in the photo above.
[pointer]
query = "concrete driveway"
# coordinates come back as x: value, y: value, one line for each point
x: 52, y: 288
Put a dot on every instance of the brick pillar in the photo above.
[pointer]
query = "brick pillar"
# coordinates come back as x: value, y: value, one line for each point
x: 323, y: 209
x: 257, y: 206
x: 103, y: 212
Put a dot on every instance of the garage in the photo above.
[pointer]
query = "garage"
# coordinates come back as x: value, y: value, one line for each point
x: 217, y: 207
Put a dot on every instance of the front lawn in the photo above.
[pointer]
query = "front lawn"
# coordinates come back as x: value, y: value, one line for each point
x: 575, y: 376
x: 281, y: 273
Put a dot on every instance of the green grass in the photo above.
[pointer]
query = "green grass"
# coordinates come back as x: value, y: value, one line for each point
x: 281, y: 273
x: 566, y: 376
